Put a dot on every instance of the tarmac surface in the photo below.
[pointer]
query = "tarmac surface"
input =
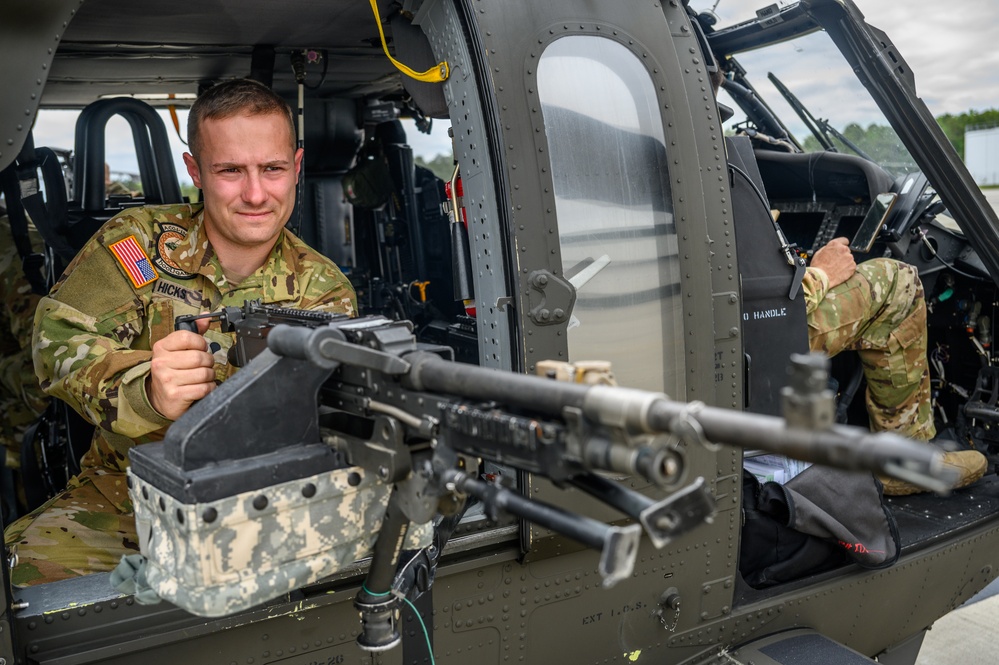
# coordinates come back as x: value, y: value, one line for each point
x: 967, y: 636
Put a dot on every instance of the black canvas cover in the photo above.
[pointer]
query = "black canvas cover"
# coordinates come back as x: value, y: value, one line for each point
x: 819, y: 520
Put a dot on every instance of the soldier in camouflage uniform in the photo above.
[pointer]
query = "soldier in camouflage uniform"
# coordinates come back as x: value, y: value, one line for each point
x: 104, y: 338
x: 878, y: 310
x: 114, y: 187
x: 21, y: 399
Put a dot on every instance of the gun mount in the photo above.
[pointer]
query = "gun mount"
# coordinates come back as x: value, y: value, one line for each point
x: 360, y: 437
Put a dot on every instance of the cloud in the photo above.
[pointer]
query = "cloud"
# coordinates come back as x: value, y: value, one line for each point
x: 949, y: 46
x: 951, y: 50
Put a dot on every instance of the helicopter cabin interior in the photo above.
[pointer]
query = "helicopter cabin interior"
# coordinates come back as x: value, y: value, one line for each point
x: 384, y: 219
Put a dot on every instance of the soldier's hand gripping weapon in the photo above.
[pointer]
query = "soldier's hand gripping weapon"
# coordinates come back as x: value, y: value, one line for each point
x: 345, y: 437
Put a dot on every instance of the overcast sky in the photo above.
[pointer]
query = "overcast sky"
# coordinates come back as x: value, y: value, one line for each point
x: 951, y: 47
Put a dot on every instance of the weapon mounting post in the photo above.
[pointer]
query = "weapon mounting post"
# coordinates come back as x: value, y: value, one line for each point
x: 398, y: 430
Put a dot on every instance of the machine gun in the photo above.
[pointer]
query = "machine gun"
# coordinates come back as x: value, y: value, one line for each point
x: 346, y: 429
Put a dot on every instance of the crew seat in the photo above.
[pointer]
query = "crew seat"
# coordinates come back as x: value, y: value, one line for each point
x: 89, y: 206
x: 774, y: 324
x: 322, y: 217
x: 66, y: 215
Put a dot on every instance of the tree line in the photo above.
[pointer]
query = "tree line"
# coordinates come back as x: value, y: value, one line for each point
x: 954, y: 125
x: 881, y: 143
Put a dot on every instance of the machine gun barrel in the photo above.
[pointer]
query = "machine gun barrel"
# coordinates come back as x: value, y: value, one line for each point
x: 841, y: 446
x: 845, y: 447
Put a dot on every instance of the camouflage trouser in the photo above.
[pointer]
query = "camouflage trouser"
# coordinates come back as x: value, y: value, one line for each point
x: 15, y: 419
x: 880, y: 313
x: 84, y: 529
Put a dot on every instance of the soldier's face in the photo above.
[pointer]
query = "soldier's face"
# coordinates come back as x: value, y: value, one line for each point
x: 248, y: 169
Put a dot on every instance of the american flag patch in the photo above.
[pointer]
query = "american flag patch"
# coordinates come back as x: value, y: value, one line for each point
x: 135, y: 262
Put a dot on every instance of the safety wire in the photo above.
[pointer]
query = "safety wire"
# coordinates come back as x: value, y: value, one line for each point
x: 435, y: 74
x: 426, y: 635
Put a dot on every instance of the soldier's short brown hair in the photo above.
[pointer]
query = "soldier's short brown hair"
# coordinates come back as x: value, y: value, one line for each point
x: 232, y: 98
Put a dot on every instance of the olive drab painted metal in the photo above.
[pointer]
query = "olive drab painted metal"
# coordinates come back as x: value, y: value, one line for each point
x: 476, y: 138
x: 680, y: 81
x: 33, y: 30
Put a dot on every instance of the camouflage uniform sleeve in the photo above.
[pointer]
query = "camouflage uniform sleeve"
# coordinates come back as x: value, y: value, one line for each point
x: 814, y: 285
x: 90, y: 349
x: 334, y: 294
x: 16, y: 376
x: 326, y: 288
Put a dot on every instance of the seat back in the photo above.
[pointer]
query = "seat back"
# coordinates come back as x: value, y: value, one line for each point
x: 152, y: 150
x: 35, y: 187
x: 833, y: 176
x: 774, y: 324
x: 322, y: 217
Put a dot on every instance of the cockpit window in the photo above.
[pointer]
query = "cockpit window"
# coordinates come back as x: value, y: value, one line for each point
x: 814, y: 93
x: 614, y: 207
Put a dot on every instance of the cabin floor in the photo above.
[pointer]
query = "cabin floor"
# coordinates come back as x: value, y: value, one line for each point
x: 923, y: 518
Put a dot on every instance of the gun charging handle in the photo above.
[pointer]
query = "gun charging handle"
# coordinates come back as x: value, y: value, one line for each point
x: 187, y: 321
x: 227, y: 315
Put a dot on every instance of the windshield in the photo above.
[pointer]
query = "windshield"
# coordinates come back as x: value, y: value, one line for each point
x: 816, y: 96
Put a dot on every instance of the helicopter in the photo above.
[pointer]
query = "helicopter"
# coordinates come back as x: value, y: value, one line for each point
x: 589, y: 148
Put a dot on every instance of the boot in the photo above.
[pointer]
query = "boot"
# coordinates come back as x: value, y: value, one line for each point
x: 971, y: 464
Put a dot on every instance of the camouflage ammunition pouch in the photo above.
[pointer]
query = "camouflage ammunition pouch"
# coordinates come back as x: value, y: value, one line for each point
x: 228, y: 555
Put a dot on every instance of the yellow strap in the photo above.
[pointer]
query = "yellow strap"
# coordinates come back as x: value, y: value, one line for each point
x: 176, y: 120
x: 433, y: 75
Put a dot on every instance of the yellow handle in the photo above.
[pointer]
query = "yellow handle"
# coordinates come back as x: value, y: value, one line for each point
x: 432, y: 75
x: 422, y: 287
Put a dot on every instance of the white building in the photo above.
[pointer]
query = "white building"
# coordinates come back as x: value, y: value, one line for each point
x: 981, y: 155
